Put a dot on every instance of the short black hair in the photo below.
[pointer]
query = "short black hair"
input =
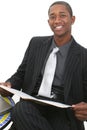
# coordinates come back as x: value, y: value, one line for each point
x: 62, y: 3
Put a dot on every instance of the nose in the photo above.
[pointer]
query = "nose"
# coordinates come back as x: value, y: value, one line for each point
x: 57, y: 19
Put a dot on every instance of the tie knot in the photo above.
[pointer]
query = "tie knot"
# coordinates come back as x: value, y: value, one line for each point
x: 55, y: 49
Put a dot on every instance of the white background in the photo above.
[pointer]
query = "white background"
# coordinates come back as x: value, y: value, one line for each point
x: 20, y: 20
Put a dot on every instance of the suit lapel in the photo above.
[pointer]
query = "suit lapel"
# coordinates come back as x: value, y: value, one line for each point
x: 72, y: 63
x: 41, y: 53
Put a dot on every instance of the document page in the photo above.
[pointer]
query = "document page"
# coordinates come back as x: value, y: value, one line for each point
x: 29, y: 97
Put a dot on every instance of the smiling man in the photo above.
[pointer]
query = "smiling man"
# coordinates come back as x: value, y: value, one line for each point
x: 60, y: 20
x: 53, y: 68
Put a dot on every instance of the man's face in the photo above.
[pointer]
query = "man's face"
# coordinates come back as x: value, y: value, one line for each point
x: 60, y: 21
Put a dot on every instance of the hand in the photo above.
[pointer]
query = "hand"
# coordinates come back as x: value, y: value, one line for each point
x: 80, y: 110
x: 4, y: 92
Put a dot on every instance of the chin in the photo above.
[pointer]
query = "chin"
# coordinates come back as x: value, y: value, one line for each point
x: 59, y: 35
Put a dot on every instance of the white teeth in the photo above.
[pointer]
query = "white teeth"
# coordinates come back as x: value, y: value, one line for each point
x: 59, y: 27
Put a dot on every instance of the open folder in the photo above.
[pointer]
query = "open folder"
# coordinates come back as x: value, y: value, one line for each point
x: 5, y: 107
x: 29, y: 97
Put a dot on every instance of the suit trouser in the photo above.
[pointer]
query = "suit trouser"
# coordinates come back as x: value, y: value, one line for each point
x: 27, y: 115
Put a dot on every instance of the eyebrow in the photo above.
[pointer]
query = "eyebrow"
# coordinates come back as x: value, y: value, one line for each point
x: 59, y: 13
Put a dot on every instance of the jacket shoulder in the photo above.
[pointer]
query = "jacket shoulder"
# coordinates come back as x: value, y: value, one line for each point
x: 40, y: 39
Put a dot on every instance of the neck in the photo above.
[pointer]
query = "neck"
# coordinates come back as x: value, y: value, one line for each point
x: 60, y: 41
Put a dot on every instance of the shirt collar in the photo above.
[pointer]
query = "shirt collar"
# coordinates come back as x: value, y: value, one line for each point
x: 63, y: 49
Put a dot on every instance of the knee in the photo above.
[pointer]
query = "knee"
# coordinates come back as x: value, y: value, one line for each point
x: 23, y: 108
x: 15, y: 110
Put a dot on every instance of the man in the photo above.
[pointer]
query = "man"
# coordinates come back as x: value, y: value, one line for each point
x: 70, y: 79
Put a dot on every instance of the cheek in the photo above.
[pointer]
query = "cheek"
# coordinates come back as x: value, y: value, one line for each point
x: 51, y: 24
x: 68, y: 24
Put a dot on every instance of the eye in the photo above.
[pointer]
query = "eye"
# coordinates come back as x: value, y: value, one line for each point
x: 63, y: 15
x: 52, y: 17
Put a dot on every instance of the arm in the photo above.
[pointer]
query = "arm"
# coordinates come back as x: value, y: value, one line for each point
x: 80, y: 109
x: 16, y: 80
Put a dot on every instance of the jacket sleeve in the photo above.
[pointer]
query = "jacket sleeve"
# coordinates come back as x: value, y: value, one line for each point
x: 17, y: 78
x: 84, y: 70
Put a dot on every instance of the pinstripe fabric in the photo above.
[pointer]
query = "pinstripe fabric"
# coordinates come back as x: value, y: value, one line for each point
x: 31, y: 116
x: 74, y: 80
x: 27, y: 117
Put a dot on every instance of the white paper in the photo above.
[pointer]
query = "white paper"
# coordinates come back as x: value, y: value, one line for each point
x: 28, y: 97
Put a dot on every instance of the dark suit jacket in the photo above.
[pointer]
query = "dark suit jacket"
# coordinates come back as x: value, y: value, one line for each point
x: 75, y: 75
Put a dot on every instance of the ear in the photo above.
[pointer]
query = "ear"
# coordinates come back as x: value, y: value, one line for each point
x: 73, y: 19
x: 48, y: 21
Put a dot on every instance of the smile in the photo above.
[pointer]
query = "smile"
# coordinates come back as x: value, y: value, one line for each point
x: 58, y: 27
